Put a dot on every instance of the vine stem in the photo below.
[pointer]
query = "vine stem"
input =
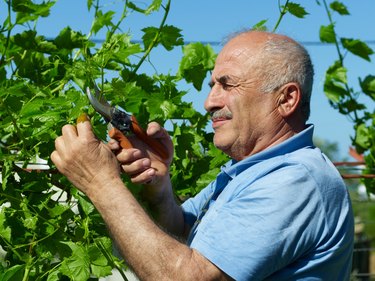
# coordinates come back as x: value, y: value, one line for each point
x: 282, y: 14
x: 76, y: 55
x: 123, y: 16
x: 341, y: 58
x: 109, y: 258
x: 26, y: 274
x: 331, y: 22
x: 155, y: 40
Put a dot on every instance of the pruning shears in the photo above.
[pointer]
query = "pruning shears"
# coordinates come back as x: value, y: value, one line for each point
x: 122, y: 124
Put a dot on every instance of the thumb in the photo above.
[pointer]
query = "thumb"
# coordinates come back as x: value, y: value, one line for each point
x: 84, y: 127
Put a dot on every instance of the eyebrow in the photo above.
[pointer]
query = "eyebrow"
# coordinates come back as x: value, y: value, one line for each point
x: 221, y: 79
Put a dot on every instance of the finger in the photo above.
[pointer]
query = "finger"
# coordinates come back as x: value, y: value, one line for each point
x: 155, y: 130
x: 146, y: 177
x: 55, y: 157
x: 114, y: 145
x: 137, y: 167
x: 84, y: 129
x: 69, y: 132
x: 129, y: 155
x: 59, y: 144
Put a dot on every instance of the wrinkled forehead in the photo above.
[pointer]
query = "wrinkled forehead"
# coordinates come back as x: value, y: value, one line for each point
x: 238, y: 56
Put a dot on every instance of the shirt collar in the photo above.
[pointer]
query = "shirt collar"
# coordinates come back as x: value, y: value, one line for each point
x: 303, y: 139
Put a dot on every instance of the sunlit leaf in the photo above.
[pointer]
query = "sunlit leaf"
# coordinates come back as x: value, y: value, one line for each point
x: 101, y: 20
x: 357, y: 47
x: 339, y: 7
x: 362, y: 137
x: 196, y: 62
x: 296, y: 10
x: 335, y: 81
x: 5, y: 231
x: 327, y: 34
x: 337, y: 72
x: 368, y: 85
x: 99, y: 263
x: 261, y: 25
x: 154, y: 6
x: 77, y: 266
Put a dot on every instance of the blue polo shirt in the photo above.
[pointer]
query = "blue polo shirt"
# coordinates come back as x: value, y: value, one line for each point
x: 281, y: 214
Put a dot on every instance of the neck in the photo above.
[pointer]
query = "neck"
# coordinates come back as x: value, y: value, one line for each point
x: 279, y: 134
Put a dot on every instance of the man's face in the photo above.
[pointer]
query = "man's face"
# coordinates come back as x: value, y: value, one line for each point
x: 243, y: 117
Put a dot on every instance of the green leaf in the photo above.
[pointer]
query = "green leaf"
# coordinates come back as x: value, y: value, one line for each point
x: 327, y: 34
x: 29, y: 11
x: 6, y: 172
x: 335, y: 82
x: 15, y: 273
x: 54, y: 275
x: 334, y: 92
x: 89, y: 4
x: 362, y: 137
x: 85, y: 204
x: 99, y: 263
x: 196, y: 62
x: 261, y: 25
x: 154, y: 6
x: 30, y: 222
x: 26, y: 39
x: 368, y: 86
x: 339, y: 7
x: 296, y: 10
x: 337, y: 72
x: 149, y: 36
x: 102, y: 20
x: 170, y: 37
x: 160, y: 108
x: 69, y: 39
x: 5, y: 231
x: 77, y: 266
x: 357, y: 47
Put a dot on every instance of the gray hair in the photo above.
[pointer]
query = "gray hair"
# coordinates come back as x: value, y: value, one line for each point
x: 283, y: 61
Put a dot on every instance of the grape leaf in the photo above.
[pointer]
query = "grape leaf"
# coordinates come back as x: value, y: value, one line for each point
x: 339, y: 7
x: 357, y: 47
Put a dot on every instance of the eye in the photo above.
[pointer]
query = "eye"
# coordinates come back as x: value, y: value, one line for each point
x: 211, y: 84
x: 226, y: 86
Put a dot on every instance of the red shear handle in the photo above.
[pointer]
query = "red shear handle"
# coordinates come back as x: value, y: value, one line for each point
x: 116, y: 134
x: 153, y: 143
x: 141, y: 134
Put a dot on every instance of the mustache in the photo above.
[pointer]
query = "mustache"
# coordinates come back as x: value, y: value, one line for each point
x: 222, y: 113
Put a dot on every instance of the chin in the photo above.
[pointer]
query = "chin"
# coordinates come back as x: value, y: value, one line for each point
x: 221, y: 144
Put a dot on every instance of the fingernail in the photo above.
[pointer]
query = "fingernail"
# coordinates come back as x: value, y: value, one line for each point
x: 151, y: 172
x: 146, y: 162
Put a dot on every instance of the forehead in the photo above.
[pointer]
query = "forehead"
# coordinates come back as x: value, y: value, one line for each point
x: 237, y: 58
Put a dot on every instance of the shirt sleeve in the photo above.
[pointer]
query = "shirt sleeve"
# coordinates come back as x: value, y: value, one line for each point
x: 264, y: 226
x: 192, y: 207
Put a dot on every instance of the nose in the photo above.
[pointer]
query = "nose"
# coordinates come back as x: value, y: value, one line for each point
x: 214, y: 100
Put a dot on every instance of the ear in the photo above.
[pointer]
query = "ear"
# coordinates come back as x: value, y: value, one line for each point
x: 289, y: 99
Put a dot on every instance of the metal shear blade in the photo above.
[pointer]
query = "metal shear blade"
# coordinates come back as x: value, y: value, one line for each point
x: 119, y: 119
x: 123, y: 123
x: 100, y: 104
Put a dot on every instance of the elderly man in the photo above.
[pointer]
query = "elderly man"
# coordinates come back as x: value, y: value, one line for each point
x: 278, y: 210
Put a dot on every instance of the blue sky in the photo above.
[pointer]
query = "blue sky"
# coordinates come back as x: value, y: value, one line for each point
x: 212, y: 20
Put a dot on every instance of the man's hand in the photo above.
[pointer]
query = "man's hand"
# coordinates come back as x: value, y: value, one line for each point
x: 87, y: 162
x: 143, y: 166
